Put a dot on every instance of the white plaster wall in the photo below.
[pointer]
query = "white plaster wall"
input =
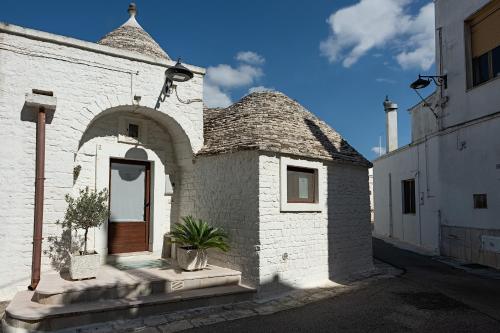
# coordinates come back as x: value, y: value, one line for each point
x: 423, y: 121
x: 421, y: 163
x: 227, y: 195
x: 300, y: 249
x: 86, y: 79
x: 464, y: 104
x: 473, y: 167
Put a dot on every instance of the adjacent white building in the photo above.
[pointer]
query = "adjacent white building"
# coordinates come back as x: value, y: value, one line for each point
x: 290, y: 191
x: 441, y: 193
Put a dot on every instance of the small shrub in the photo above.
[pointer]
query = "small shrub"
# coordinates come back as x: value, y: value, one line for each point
x: 199, y: 235
x: 88, y: 210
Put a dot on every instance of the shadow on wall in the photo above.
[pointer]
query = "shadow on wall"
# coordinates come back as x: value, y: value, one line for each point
x: 348, y: 253
x: 60, y: 247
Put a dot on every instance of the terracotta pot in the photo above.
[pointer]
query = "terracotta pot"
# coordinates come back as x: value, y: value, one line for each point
x: 191, y: 259
x: 84, y: 266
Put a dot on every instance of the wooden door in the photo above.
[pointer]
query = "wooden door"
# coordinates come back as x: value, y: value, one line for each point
x: 129, y: 206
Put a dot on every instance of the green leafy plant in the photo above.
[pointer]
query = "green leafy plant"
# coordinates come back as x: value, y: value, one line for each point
x: 199, y: 235
x: 88, y: 210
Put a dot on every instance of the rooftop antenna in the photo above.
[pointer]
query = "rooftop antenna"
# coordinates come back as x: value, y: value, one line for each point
x: 379, y: 146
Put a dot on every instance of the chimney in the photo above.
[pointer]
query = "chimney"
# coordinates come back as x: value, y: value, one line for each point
x: 391, y: 124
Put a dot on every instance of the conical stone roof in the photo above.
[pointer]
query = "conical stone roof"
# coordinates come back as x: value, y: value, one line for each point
x: 132, y: 37
x: 273, y: 122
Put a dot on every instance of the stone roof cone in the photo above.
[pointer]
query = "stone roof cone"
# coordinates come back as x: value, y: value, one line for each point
x: 273, y: 122
x: 132, y: 37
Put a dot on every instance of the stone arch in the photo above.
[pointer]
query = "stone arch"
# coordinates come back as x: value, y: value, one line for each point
x: 167, y: 146
x: 181, y: 139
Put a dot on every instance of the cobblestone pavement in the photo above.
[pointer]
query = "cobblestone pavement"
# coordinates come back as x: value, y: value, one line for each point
x: 201, y: 317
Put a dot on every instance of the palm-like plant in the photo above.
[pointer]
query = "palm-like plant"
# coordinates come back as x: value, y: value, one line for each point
x: 199, y: 235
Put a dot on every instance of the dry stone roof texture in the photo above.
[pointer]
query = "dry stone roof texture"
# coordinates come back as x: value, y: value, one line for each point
x: 271, y: 121
x: 132, y: 37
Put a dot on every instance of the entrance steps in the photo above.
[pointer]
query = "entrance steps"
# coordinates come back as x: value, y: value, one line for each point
x: 123, y: 291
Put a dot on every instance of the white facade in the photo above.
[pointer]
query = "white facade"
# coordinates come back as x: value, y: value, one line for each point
x: 94, y: 85
x: 275, y: 248
x: 99, y: 90
x: 451, y: 158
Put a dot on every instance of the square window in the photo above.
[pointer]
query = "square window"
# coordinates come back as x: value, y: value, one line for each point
x: 133, y: 131
x: 408, y: 187
x: 301, y: 185
x: 480, y: 201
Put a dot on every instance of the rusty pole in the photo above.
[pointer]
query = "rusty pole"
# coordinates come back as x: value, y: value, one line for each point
x: 39, y: 195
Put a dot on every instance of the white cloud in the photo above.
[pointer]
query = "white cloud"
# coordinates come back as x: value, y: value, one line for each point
x: 374, y: 24
x: 229, y: 77
x: 378, y: 150
x: 420, y: 47
x: 214, y: 97
x: 259, y: 89
x: 250, y: 57
x: 221, y: 79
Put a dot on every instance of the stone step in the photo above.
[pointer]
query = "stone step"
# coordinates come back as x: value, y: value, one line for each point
x: 112, y: 283
x: 25, y: 315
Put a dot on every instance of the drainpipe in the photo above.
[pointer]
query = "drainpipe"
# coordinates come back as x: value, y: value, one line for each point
x: 42, y: 101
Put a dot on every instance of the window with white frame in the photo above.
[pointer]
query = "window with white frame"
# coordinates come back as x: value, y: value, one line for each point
x: 301, y: 185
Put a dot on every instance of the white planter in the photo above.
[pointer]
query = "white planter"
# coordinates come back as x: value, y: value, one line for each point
x: 191, y: 260
x: 84, y: 266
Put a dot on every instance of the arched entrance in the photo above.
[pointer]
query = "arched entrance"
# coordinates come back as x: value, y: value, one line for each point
x: 138, y: 155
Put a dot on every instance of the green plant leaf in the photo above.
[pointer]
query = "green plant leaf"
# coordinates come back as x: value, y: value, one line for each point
x: 199, y: 234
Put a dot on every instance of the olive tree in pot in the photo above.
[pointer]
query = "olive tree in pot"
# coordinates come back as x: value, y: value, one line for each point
x: 88, y: 210
x: 195, y: 237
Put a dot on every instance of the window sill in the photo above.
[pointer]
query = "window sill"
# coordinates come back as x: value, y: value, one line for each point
x: 300, y: 207
x: 483, y: 84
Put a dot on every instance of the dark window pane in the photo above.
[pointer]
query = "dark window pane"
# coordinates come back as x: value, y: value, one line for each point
x: 495, y: 59
x: 301, y: 185
x: 409, y: 205
x: 481, y: 69
x: 133, y: 131
x: 480, y: 201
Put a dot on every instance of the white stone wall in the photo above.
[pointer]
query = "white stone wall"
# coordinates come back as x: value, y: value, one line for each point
x: 228, y: 197
x: 299, y: 249
x: 87, y: 80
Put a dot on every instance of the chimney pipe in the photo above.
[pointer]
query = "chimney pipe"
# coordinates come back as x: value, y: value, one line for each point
x: 391, y: 124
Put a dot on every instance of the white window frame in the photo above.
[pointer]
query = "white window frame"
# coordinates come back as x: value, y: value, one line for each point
x: 286, y: 206
x: 123, y: 124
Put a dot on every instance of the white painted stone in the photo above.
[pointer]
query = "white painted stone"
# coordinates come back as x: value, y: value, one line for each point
x: 90, y: 82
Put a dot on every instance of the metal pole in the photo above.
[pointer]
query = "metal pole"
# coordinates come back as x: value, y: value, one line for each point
x: 39, y: 195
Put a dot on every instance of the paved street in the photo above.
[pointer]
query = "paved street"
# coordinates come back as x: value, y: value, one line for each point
x: 429, y: 297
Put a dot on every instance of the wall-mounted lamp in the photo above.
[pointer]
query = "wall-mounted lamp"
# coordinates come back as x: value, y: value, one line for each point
x: 424, y: 80
x: 177, y: 73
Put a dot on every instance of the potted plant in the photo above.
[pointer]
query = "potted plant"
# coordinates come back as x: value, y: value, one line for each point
x: 195, y: 237
x: 88, y: 210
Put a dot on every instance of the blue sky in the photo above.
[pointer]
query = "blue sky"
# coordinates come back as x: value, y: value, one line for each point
x: 337, y: 58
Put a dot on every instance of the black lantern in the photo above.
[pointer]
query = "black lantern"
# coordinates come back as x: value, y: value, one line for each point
x: 177, y: 73
x: 423, y: 81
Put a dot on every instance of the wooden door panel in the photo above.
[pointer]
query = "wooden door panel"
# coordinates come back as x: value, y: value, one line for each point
x: 130, y: 236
